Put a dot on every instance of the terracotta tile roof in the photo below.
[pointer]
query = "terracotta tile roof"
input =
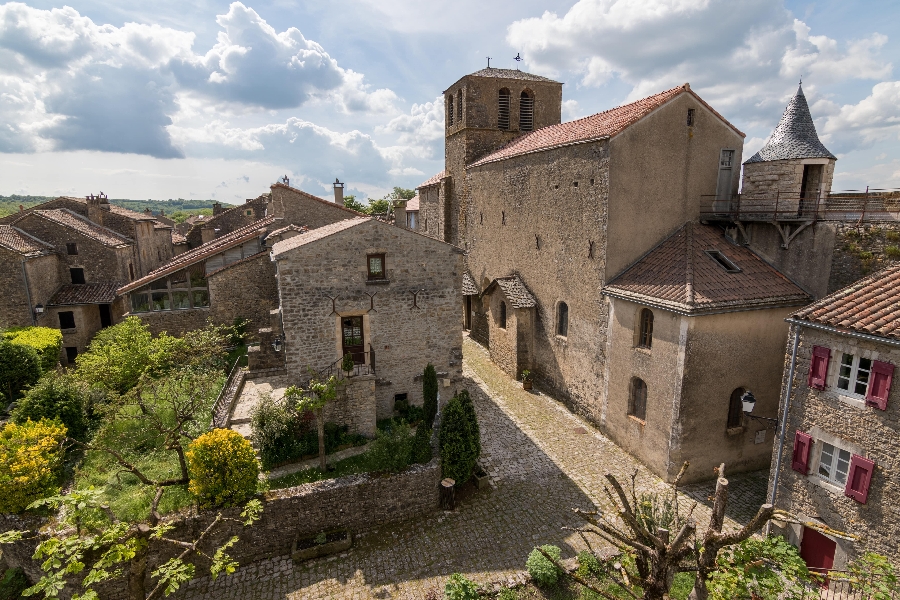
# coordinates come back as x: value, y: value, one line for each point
x: 433, y: 180
x: 126, y: 212
x: 514, y: 290
x: 178, y: 237
x: 599, y: 126
x: 468, y: 285
x: 316, y: 234
x: 290, y: 227
x: 412, y: 205
x: 17, y: 240
x: 679, y: 275
x: 84, y: 226
x: 88, y: 293
x: 202, y: 252
x: 871, y: 305
x: 510, y: 74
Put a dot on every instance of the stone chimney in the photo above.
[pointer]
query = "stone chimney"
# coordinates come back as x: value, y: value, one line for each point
x: 399, y: 212
x: 207, y: 234
x: 95, y: 211
x: 217, y: 208
x: 338, y: 192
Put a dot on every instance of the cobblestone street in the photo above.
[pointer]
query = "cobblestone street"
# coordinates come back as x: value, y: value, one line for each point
x: 542, y: 461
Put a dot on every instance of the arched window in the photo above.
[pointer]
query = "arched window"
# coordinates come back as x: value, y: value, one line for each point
x: 502, y: 314
x: 526, y: 111
x: 638, y: 403
x: 645, y: 329
x: 562, y: 319
x: 503, y: 109
x: 449, y: 110
x: 459, y: 106
x: 736, y: 408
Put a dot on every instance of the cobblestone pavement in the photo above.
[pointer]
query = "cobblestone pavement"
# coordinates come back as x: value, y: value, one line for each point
x: 542, y: 461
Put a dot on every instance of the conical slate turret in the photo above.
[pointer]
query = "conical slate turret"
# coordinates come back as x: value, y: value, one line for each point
x: 795, y: 136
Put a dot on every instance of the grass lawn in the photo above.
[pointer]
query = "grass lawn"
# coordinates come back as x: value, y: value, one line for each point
x: 360, y: 463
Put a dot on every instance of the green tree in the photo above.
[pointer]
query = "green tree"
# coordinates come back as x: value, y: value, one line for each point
x: 765, y: 568
x: 315, y: 397
x: 223, y: 468
x: 472, y: 421
x: 379, y: 207
x: 59, y: 397
x: 458, y: 449
x: 400, y: 193
x: 46, y: 341
x: 20, y: 367
x: 430, y: 395
x: 352, y: 203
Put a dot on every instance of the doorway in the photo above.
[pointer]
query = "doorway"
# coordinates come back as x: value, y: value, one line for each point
x: 105, y: 315
x: 353, y: 341
x: 467, y: 315
x: 810, y: 187
x: 816, y: 550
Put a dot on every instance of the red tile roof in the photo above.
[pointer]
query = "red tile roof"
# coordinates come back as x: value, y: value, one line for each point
x: 412, y: 204
x: 679, y: 275
x: 21, y: 242
x: 178, y: 238
x: 84, y: 226
x: 202, y: 252
x: 433, y: 180
x: 601, y: 125
x: 88, y: 293
x: 316, y: 234
x: 871, y: 306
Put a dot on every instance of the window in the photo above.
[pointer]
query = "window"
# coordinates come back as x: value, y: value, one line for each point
x: 526, y: 111
x: 249, y: 212
x: 853, y: 375
x: 131, y: 271
x: 834, y: 463
x: 376, y: 266
x: 645, y: 329
x: 77, y: 275
x: 503, y: 217
x: 638, y: 404
x: 72, y: 249
x: 182, y: 290
x: 67, y: 320
x: 502, y: 314
x: 562, y: 319
x: 735, y: 409
x: 690, y: 117
x: 723, y: 261
x: 459, y: 106
x: 503, y: 109
x: 450, y: 110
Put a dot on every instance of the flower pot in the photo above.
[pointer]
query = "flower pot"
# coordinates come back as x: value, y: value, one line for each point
x: 307, y: 547
x: 526, y: 384
x: 481, y: 479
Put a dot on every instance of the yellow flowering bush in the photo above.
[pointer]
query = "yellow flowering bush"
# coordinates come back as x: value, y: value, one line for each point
x: 223, y: 468
x: 30, y: 456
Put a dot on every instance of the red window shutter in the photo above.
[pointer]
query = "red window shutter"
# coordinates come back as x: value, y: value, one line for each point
x: 880, y: 384
x: 858, y: 478
x: 818, y: 367
x: 800, y: 460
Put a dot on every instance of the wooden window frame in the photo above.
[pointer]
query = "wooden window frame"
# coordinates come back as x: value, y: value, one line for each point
x: 633, y: 406
x: 72, y: 248
x: 562, y: 319
x: 645, y: 329
x: 852, y: 376
x: 504, y: 112
x: 376, y: 276
x: 831, y: 474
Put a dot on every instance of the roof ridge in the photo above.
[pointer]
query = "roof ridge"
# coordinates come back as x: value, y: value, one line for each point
x: 689, y: 267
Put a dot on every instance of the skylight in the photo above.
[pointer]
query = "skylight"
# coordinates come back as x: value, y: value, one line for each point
x: 723, y: 261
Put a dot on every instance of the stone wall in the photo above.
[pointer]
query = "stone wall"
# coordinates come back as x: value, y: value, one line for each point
x: 292, y: 206
x: 355, y: 405
x: 87, y: 323
x: 45, y: 276
x: 229, y: 220
x: 431, y: 212
x: 15, y: 304
x: 873, y: 433
x: 782, y: 178
x: 859, y: 251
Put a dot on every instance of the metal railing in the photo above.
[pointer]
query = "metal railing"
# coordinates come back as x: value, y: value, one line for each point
x: 843, y: 585
x: 221, y: 412
x: 869, y: 205
x: 363, y: 364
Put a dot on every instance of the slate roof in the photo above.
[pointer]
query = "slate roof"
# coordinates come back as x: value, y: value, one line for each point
x: 412, y: 204
x: 599, y: 126
x: 87, y: 293
x: 84, y: 226
x: 871, y: 305
x: 514, y: 290
x: 316, y: 234
x: 204, y: 251
x: 678, y: 275
x: 17, y: 240
x: 510, y: 74
x: 795, y: 136
x: 469, y: 288
x: 433, y: 180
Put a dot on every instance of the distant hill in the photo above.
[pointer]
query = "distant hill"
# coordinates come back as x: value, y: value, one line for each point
x: 10, y: 204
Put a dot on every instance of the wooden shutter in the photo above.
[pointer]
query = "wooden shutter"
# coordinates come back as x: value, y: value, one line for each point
x: 802, y: 445
x: 818, y: 367
x: 858, y: 478
x: 880, y: 384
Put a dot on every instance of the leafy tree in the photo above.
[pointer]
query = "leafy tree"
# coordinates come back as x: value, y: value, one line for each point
x: 379, y: 207
x: 19, y: 368
x: 430, y: 393
x: 400, y: 193
x: 46, y: 341
x: 315, y: 397
x: 30, y: 457
x: 872, y: 576
x: 458, y: 449
x: 223, y: 468
x: 59, y: 397
x: 472, y: 421
x: 746, y: 570
x: 352, y: 203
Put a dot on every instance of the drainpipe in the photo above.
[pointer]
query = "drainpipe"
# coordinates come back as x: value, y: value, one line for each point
x: 784, y: 417
x: 28, y: 294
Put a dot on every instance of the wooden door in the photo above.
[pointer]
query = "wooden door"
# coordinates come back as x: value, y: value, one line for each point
x: 467, y: 324
x: 353, y: 340
x: 724, y: 185
x: 817, y: 550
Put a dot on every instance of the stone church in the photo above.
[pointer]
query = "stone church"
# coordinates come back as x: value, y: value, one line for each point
x: 608, y: 253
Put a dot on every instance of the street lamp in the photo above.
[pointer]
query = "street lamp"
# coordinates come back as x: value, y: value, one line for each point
x: 748, y: 402
x: 276, y: 344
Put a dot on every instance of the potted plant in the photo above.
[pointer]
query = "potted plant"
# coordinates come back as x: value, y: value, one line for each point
x: 526, y: 379
x: 481, y: 477
x: 347, y: 364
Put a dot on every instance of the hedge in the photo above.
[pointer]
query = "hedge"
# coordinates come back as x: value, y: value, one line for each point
x: 30, y: 457
x: 47, y: 342
x: 223, y: 468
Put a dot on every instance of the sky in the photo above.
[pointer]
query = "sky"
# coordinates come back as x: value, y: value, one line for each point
x: 216, y: 100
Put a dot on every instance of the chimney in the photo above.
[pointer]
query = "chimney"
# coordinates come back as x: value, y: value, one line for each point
x: 21, y: 208
x: 399, y: 212
x: 217, y: 208
x: 95, y: 212
x: 148, y: 212
x: 338, y: 192
x: 207, y: 234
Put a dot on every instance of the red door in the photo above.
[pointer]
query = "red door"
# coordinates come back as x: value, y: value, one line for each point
x: 817, y: 550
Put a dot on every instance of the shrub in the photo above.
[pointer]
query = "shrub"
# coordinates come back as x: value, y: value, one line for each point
x: 392, y: 450
x: 892, y: 252
x: 19, y: 368
x: 892, y: 236
x: 222, y: 467
x: 460, y: 588
x: 347, y: 363
x: 12, y: 584
x: 55, y: 397
x: 542, y: 571
x: 744, y: 569
x: 30, y: 457
x: 472, y: 420
x: 47, y: 342
x: 458, y: 450
x: 421, y: 452
x: 430, y: 393
x: 588, y: 565
x: 277, y: 432
x: 873, y: 576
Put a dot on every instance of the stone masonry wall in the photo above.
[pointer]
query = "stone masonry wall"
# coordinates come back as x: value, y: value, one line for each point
x: 290, y: 205
x: 431, y: 212
x: 355, y: 405
x: 229, y: 220
x: 861, y: 251
x: 14, y: 305
x: 767, y: 179
x: 864, y: 430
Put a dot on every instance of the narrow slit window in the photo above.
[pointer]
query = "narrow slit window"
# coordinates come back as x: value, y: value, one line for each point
x: 645, y: 334
x: 503, y: 109
x: 690, y: 117
x: 562, y: 320
x: 450, y: 110
x: 735, y: 409
x: 502, y: 314
x: 723, y: 261
x: 638, y: 404
x: 459, y: 106
x: 526, y: 111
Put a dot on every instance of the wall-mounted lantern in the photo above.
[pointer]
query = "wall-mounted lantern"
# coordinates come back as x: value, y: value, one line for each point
x: 276, y: 344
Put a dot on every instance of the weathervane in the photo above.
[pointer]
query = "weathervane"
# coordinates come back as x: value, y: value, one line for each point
x: 489, y: 62
x: 518, y: 58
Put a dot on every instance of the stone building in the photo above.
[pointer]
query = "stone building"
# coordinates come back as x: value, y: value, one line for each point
x: 384, y: 294
x: 839, y: 465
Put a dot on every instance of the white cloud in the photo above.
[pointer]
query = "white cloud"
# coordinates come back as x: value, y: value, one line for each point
x: 873, y: 119
x: 422, y: 130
